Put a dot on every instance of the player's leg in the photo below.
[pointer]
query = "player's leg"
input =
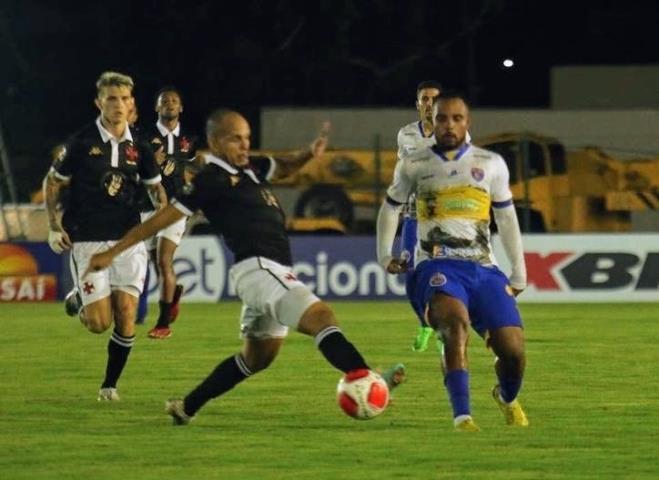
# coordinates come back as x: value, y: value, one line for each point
x: 449, y: 316
x: 262, y: 336
x: 508, y: 344
x: 127, y: 274
x: 407, y: 246
x: 256, y: 355
x: 495, y: 312
x: 167, y: 277
x: 143, y: 303
x: 92, y: 291
x: 319, y: 321
x: 124, y: 306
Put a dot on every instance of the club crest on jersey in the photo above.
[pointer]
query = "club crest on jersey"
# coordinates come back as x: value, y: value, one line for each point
x: 131, y: 154
x: 477, y: 173
x: 95, y: 151
x: 437, y: 280
x: 184, y: 144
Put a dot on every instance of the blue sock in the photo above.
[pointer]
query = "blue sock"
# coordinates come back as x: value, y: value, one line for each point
x: 143, y: 306
x: 457, y: 384
x: 510, y: 388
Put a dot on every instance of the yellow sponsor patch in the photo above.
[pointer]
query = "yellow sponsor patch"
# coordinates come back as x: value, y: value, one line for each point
x: 462, y: 201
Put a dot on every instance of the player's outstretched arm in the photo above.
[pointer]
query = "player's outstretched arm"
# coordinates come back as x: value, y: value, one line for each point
x: 288, y: 166
x: 162, y: 219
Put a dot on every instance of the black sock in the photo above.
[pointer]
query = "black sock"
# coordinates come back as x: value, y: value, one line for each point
x: 118, y: 350
x: 229, y: 373
x: 338, y: 350
x: 165, y: 314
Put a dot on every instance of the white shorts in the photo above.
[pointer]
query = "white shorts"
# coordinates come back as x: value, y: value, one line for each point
x: 173, y: 233
x: 126, y: 273
x: 273, y: 298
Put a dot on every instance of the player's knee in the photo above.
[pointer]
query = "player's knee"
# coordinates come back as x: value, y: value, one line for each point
x: 316, y: 318
x: 97, y: 322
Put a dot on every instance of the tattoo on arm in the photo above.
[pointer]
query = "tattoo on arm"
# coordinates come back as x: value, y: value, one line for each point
x: 52, y: 189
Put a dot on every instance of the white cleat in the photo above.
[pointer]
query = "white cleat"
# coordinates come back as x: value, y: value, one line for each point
x: 109, y: 394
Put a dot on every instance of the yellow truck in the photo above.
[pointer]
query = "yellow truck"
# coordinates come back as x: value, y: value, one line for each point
x: 565, y: 190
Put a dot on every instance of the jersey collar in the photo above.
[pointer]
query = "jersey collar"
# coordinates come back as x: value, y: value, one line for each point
x: 106, y: 136
x: 164, y: 131
x: 459, y: 152
x: 420, y: 125
x: 210, y: 158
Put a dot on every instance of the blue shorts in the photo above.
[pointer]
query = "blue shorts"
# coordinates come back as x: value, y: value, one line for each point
x: 483, y: 290
x: 407, y: 245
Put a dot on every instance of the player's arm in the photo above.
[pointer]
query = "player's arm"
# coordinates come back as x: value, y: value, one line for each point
x: 163, y: 218
x: 290, y: 165
x: 388, y: 216
x: 505, y: 217
x: 58, y: 178
x: 157, y: 195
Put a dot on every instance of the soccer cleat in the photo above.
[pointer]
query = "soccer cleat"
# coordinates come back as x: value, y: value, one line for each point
x: 73, y: 303
x: 512, y: 411
x: 178, y: 291
x: 394, y: 376
x: 466, y: 424
x: 108, y: 394
x: 160, y: 333
x: 175, y: 408
x: 422, y: 337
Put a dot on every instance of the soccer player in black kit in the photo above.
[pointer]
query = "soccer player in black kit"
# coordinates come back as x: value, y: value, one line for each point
x: 232, y: 191
x: 174, y: 148
x: 101, y: 167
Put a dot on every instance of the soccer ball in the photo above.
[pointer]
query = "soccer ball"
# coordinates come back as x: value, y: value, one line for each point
x: 362, y: 394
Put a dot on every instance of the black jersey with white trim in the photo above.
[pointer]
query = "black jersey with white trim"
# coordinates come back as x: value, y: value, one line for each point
x: 184, y: 149
x: 103, y: 187
x: 240, y: 206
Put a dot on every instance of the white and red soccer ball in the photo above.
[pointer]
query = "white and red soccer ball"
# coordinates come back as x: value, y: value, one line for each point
x: 362, y: 394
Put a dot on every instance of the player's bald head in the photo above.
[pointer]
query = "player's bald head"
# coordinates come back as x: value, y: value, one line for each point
x: 222, y: 121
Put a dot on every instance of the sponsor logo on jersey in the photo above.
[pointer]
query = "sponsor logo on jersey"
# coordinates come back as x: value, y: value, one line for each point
x: 477, y: 173
x: 95, y: 151
x: 437, y: 280
x: 234, y: 180
x: 156, y: 141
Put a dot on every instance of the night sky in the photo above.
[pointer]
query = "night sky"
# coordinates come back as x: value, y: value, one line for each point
x: 249, y: 54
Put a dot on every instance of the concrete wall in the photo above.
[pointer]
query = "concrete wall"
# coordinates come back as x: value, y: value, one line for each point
x: 620, y: 132
x: 605, y: 86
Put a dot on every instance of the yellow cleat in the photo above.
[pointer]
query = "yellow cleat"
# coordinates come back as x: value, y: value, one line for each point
x: 467, y: 424
x: 512, y: 411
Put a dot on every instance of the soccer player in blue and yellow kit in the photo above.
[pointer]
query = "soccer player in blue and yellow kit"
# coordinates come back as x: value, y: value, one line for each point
x: 456, y: 278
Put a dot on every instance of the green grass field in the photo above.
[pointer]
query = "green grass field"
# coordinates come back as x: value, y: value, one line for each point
x: 591, y: 393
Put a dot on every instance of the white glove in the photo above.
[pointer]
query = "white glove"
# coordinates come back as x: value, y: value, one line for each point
x: 58, y: 241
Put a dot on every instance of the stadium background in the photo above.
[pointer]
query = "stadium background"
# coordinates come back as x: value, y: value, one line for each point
x: 592, y: 390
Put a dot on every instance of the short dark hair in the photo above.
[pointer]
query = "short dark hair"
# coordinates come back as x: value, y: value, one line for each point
x: 216, y: 118
x: 167, y: 88
x: 453, y: 95
x: 428, y: 84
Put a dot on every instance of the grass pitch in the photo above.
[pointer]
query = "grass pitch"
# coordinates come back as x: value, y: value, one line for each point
x: 591, y: 393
